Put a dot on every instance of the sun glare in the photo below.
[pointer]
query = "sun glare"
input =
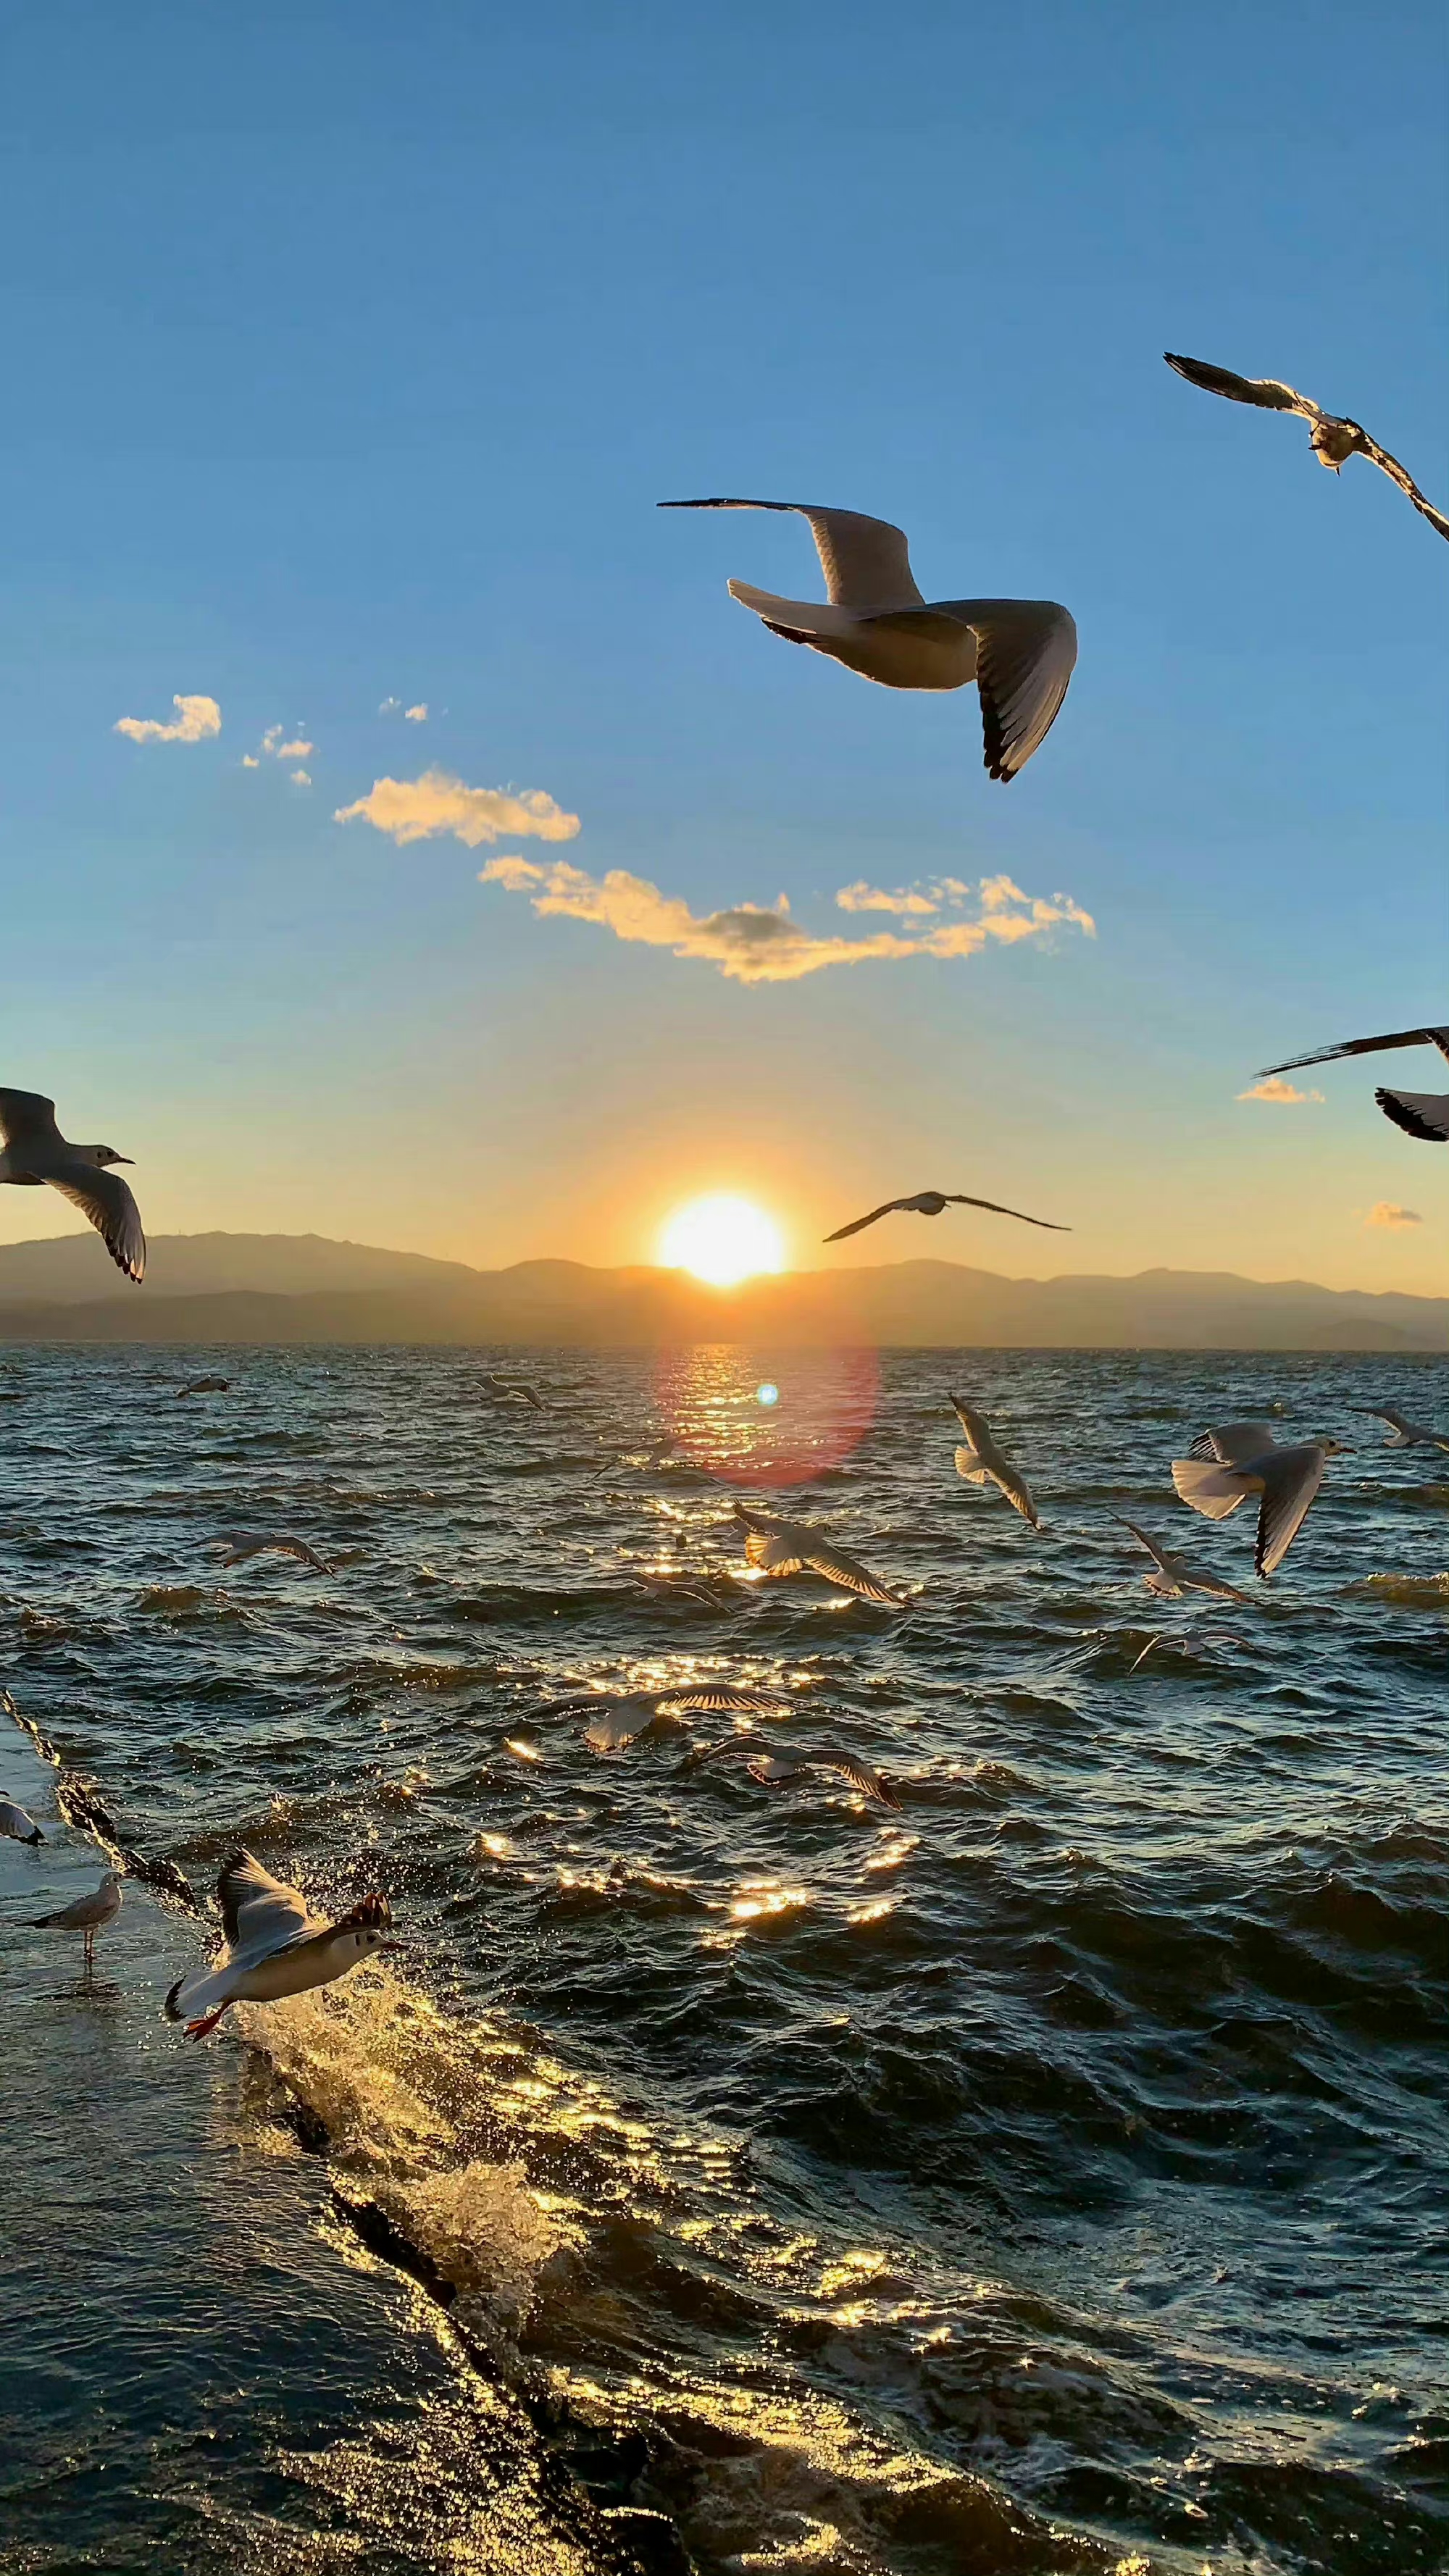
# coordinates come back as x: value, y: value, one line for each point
x: 723, y: 1240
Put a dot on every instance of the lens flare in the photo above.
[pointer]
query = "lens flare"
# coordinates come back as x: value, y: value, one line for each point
x: 728, y: 1417
x: 722, y: 1240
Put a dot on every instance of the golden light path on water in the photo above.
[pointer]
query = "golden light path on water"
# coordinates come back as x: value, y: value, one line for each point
x: 773, y: 1427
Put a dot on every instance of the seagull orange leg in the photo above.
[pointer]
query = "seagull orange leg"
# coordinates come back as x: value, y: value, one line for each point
x: 208, y: 2022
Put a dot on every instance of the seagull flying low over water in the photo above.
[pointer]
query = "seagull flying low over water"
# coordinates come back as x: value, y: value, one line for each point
x: 205, y: 1386
x: 275, y: 1946
x: 981, y: 1462
x: 514, y: 1390
x: 1172, y: 1575
x: 1333, y: 441
x: 87, y: 1914
x: 1239, y: 1459
x: 1411, y: 1435
x: 932, y: 1203
x: 781, y: 1547
x: 245, y: 1543
x: 779, y: 1771
x: 1020, y: 652
x: 34, y: 1151
x: 20, y: 1827
x: 620, y: 1718
x: 1424, y: 1114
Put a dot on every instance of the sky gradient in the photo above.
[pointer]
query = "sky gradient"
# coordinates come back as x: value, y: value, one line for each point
x: 349, y: 355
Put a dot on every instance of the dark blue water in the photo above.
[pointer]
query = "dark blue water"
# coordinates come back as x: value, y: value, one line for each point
x: 1052, y: 2171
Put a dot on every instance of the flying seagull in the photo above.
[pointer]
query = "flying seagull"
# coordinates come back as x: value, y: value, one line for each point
x: 205, y: 1386
x: 1424, y: 1114
x: 20, y: 1827
x: 35, y: 1151
x: 275, y: 1946
x: 779, y: 1771
x: 981, y: 1462
x: 620, y: 1718
x: 781, y: 1547
x: 515, y: 1390
x: 245, y: 1543
x: 1020, y: 652
x: 1172, y: 1575
x: 86, y: 1914
x: 1411, y: 1435
x: 1239, y: 1459
x: 1332, y: 440
x: 932, y: 1203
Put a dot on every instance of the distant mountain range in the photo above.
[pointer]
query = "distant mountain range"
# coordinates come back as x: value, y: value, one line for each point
x: 261, y: 1288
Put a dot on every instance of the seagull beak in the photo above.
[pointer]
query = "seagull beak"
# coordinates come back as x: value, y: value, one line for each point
x: 125, y: 1158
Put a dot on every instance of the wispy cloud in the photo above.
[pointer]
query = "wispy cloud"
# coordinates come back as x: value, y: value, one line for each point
x: 762, y: 943
x: 301, y: 778
x: 904, y: 902
x: 417, y: 809
x: 417, y: 714
x: 1393, y: 1218
x: 1280, y: 1094
x: 196, y: 718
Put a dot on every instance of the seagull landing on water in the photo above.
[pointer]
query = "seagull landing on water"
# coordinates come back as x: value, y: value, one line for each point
x: 778, y: 1771
x: 933, y: 1203
x: 247, y: 1543
x: 88, y: 1914
x: 1424, y: 1114
x: 1172, y: 1575
x: 35, y: 1151
x: 1332, y: 440
x: 17, y: 1824
x: 1020, y: 652
x: 1239, y: 1459
x: 981, y: 1462
x: 275, y: 1946
x: 1410, y: 1435
x: 780, y: 1547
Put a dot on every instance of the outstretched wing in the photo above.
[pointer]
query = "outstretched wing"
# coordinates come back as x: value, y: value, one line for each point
x: 260, y: 1913
x: 1288, y: 1488
x: 958, y: 1198
x: 1400, y: 474
x: 1234, y: 1444
x: 852, y: 1576
x: 1264, y: 391
x: 27, y: 1118
x: 105, y: 1199
x: 724, y: 1699
x: 1026, y: 651
x: 779, y: 1774
x: 1153, y: 1550
x: 866, y: 562
x: 1424, y: 1114
x: 1366, y: 1046
x: 859, y: 1223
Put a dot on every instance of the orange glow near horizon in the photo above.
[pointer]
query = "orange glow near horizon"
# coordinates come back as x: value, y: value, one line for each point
x: 722, y: 1240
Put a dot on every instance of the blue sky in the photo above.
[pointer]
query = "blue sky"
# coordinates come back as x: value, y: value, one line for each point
x: 348, y: 355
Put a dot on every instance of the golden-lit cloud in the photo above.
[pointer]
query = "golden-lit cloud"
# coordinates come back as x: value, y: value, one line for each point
x: 1280, y: 1094
x: 762, y: 943
x: 417, y: 714
x: 905, y: 901
x: 295, y: 750
x: 301, y: 778
x: 416, y: 809
x: 1393, y: 1218
x: 249, y: 761
x: 196, y: 719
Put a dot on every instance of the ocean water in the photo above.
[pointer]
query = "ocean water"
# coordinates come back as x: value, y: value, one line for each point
x: 1045, y: 2178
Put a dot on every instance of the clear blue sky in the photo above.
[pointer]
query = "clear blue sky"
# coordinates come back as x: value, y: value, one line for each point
x: 348, y: 351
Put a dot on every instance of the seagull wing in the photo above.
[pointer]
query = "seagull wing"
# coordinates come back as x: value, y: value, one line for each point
x: 1153, y: 1550
x: 778, y: 1555
x: 1400, y: 474
x: 866, y: 562
x: 1210, y: 1487
x: 105, y: 1199
x: 1382, y: 1413
x: 723, y: 1699
x: 260, y: 1914
x: 1026, y: 651
x: 846, y: 1571
x: 1264, y: 391
x: 778, y: 1774
x: 860, y: 1222
x: 27, y: 1118
x: 1424, y: 1114
x: 1234, y: 1444
x: 1289, y: 1485
x: 1366, y: 1046
x: 958, y: 1198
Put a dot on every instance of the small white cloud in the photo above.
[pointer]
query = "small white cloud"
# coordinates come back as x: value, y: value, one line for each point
x: 1393, y: 1218
x: 300, y: 778
x: 272, y: 737
x: 417, y: 714
x: 249, y: 762
x: 196, y: 718
x: 1280, y: 1094
x: 389, y: 706
x: 417, y: 809
x: 295, y: 750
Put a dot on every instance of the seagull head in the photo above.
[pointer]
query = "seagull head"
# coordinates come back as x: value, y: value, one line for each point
x: 1335, y: 1448
x: 101, y: 1155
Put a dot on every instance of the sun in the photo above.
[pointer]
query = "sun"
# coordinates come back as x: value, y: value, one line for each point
x: 722, y: 1239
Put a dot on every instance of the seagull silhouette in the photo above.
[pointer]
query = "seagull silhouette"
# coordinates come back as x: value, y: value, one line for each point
x: 34, y: 1151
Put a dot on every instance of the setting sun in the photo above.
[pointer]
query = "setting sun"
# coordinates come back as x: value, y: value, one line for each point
x: 723, y: 1240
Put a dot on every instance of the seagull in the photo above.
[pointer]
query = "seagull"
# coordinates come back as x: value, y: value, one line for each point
x: 1172, y: 1575
x: 1333, y: 441
x: 275, y: 1946
x: 205, y: 1386
x: 783, y: 1547
x: 778, y: 1772
x: 1424, y: 1114
x: 620, y: 1718
x: 87, y: 1914
x: 981, y: 1462
x: 515, y: 1390
x: 931, y: 1203
x: 1020, y: 652
x: 1411, y: 1435
x: 1228, y: 1464
x: 20, y: 1827
x: 245, y: 1543
x: 34, y: 1151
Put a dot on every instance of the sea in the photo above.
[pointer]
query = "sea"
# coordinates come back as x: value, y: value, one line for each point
x: 1044, y: 2177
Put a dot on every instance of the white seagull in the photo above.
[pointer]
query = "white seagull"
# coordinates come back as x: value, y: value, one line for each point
x: 1333, y: 441
x: 781, y: 1547
x: 779, y: 1771
x: 931, y: 1203
x: 20, y: 1827
x: 35, y: 1151
x: 86, y: 1914
x: 620, y: 1718
x: 514, y: 1390
x: 246, y: 1543
x: 275, y: 1946
x: 1172, y: 1575
x: 1238, y: 1459
x: 1424, y: 1114
x: 1020, y: 652
x: 1410, y: 1435
x: 981, y: 1462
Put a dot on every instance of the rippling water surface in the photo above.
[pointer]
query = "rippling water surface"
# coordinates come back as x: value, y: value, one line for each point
x: 1052, y: 2171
